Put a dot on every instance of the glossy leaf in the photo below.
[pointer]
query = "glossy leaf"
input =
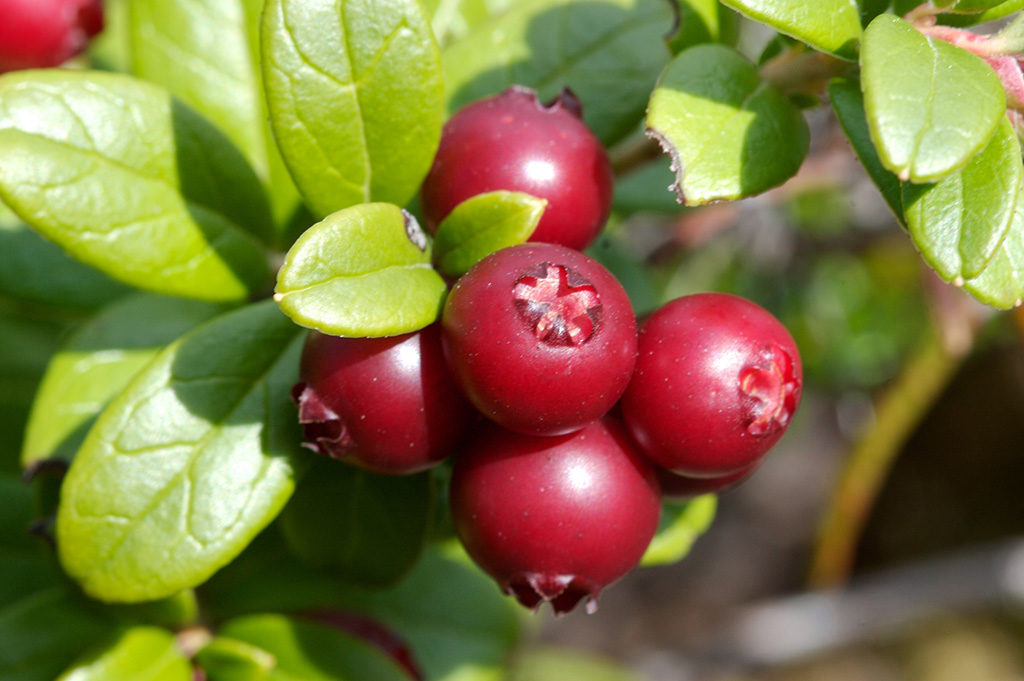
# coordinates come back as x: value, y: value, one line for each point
x: 227, y: 659
x: 187, y: 464
x: 374, y: 528
x: 729, y: 133
x: 355, y: 97
x: 608, y: 52
x: 831, y: 26
x: 97, y: 362
x: 138, y: 653
x: 960, y: 222
x: 1001, y: 283
x: 206, y: 52
x: 848, y: 105
x: 131, y: 182
x: 681, y: 524
x: 483, y: 224
x: 363, y: 271
x: 933, y: 112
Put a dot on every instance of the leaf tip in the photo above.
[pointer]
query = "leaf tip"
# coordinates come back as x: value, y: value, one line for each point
x: 413, y: 230
x: 676, y: 166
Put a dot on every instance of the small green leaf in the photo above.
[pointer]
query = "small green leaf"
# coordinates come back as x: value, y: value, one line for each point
x: 138, y: 653
x: 930, y: 106
x: 313, y: 652
x: 1001, y: 283
x: 355, y: 97
x: 729, y: 133
x: 363, y: 271
x: 848, y: 104
x: 187, y: 464
x: 959, y: 223
x: 831, y: 26
x: 97, y: 362
x: 483, y: 224
x: 967, y: 6
x: 609, y: 53
x: 681, y: 524
x: 701, y: 21
x: 375, y: 529
x: 130, y: 181
x: 227, y: 659
x: 999, y: 11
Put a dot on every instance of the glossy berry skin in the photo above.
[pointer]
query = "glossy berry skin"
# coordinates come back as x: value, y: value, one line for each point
x: 513, y: 142
x: 541, y: 337
x: 717, y: 381
x: 555, y: 519
x: 386, y: 404
x: 675, y: 486
x: 45, y: 33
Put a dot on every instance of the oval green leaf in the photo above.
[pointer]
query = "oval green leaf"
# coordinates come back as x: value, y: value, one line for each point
x: 729, y: 133
x: 355, y: 97
x: 831, y: 26
x: 97, y: 362
x: 967, y: 6
x: 187, y: 464
x: 376, y: 531
x: 225, y: 659
x: 482, y: 225
x: 930, y: 106
x: 139, y: 653
x: 132, y: 182
x: 363, y: 271
x: 609, y: 52
x: 1001, y: 283
x: 959, y: 223
x: 681, y: 524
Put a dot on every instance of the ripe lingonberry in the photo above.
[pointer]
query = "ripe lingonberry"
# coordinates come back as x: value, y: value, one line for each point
x: 386, y: 404
x: 513, y: 142
x: 555, y: 518
x: 716, y: 383
x: 43, y: 33
x: 541, y: 337
x: 676, y: 486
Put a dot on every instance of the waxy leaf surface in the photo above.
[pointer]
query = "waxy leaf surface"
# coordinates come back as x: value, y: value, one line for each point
x: 188, y: 463
x: 831, y: 26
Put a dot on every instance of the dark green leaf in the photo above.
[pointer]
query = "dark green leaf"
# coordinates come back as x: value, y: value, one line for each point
x: 831, y: 26
x: 967, y: 6
x: 226, y: 659
x: 188, y: 463
x: 355, y: 97
x: 930, y: 106
x: 608, y: 51
x: 128, y: 180
x: 364, y: 527
x: 869, y: 9
x: 959, y: 223
x: 681, y: 525
x: 848, y: 104
x: 1001, y: 10
x: 24, y: 565
x: 647, y: 189
x: 729, y: 133
x: 140, y: 653
x: 363, y: 271
x: 97, y: 362
x: 701, y: 21
x: 483, y: 224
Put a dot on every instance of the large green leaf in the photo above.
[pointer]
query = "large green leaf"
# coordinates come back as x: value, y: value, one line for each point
x: 729, y: 133
x: 138, y: 654
x: 831, y: 26
x: 364, y: 527
x: 962, y: 223
x: 355, y: 97
x: 206, y: 52
x: 930, y: 106
x: 608, y: 51
x: 130, y: 181
x: 680, y: 526
x: 97, y: 362
x: 363, y: 271
x: 188, y: 463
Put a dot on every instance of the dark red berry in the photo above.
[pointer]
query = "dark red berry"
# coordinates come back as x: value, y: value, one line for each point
x: 513, y: 142
x: 541, y: 337
x: 555, y: 519
x: 386, y: 404
x: 676, y: 486
x: 717, y: 381
x: 44, y: 33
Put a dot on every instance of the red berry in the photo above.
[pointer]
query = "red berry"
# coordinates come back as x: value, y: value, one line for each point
x: 716, y: 383
x: 513, y: 142
x: 44, y: 33
x: 541, y: 337
x: 386, y: 404
x: 675, y: 486
x: 555, y: 518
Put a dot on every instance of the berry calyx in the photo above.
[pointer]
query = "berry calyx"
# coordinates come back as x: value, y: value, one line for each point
x: 558, y: 311
x: 513, y: 142
x: 555, y: 519
x: 45, y: 33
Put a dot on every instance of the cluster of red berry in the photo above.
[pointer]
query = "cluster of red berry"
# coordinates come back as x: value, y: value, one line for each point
x: 43, y: 33
x: 556, y: 489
